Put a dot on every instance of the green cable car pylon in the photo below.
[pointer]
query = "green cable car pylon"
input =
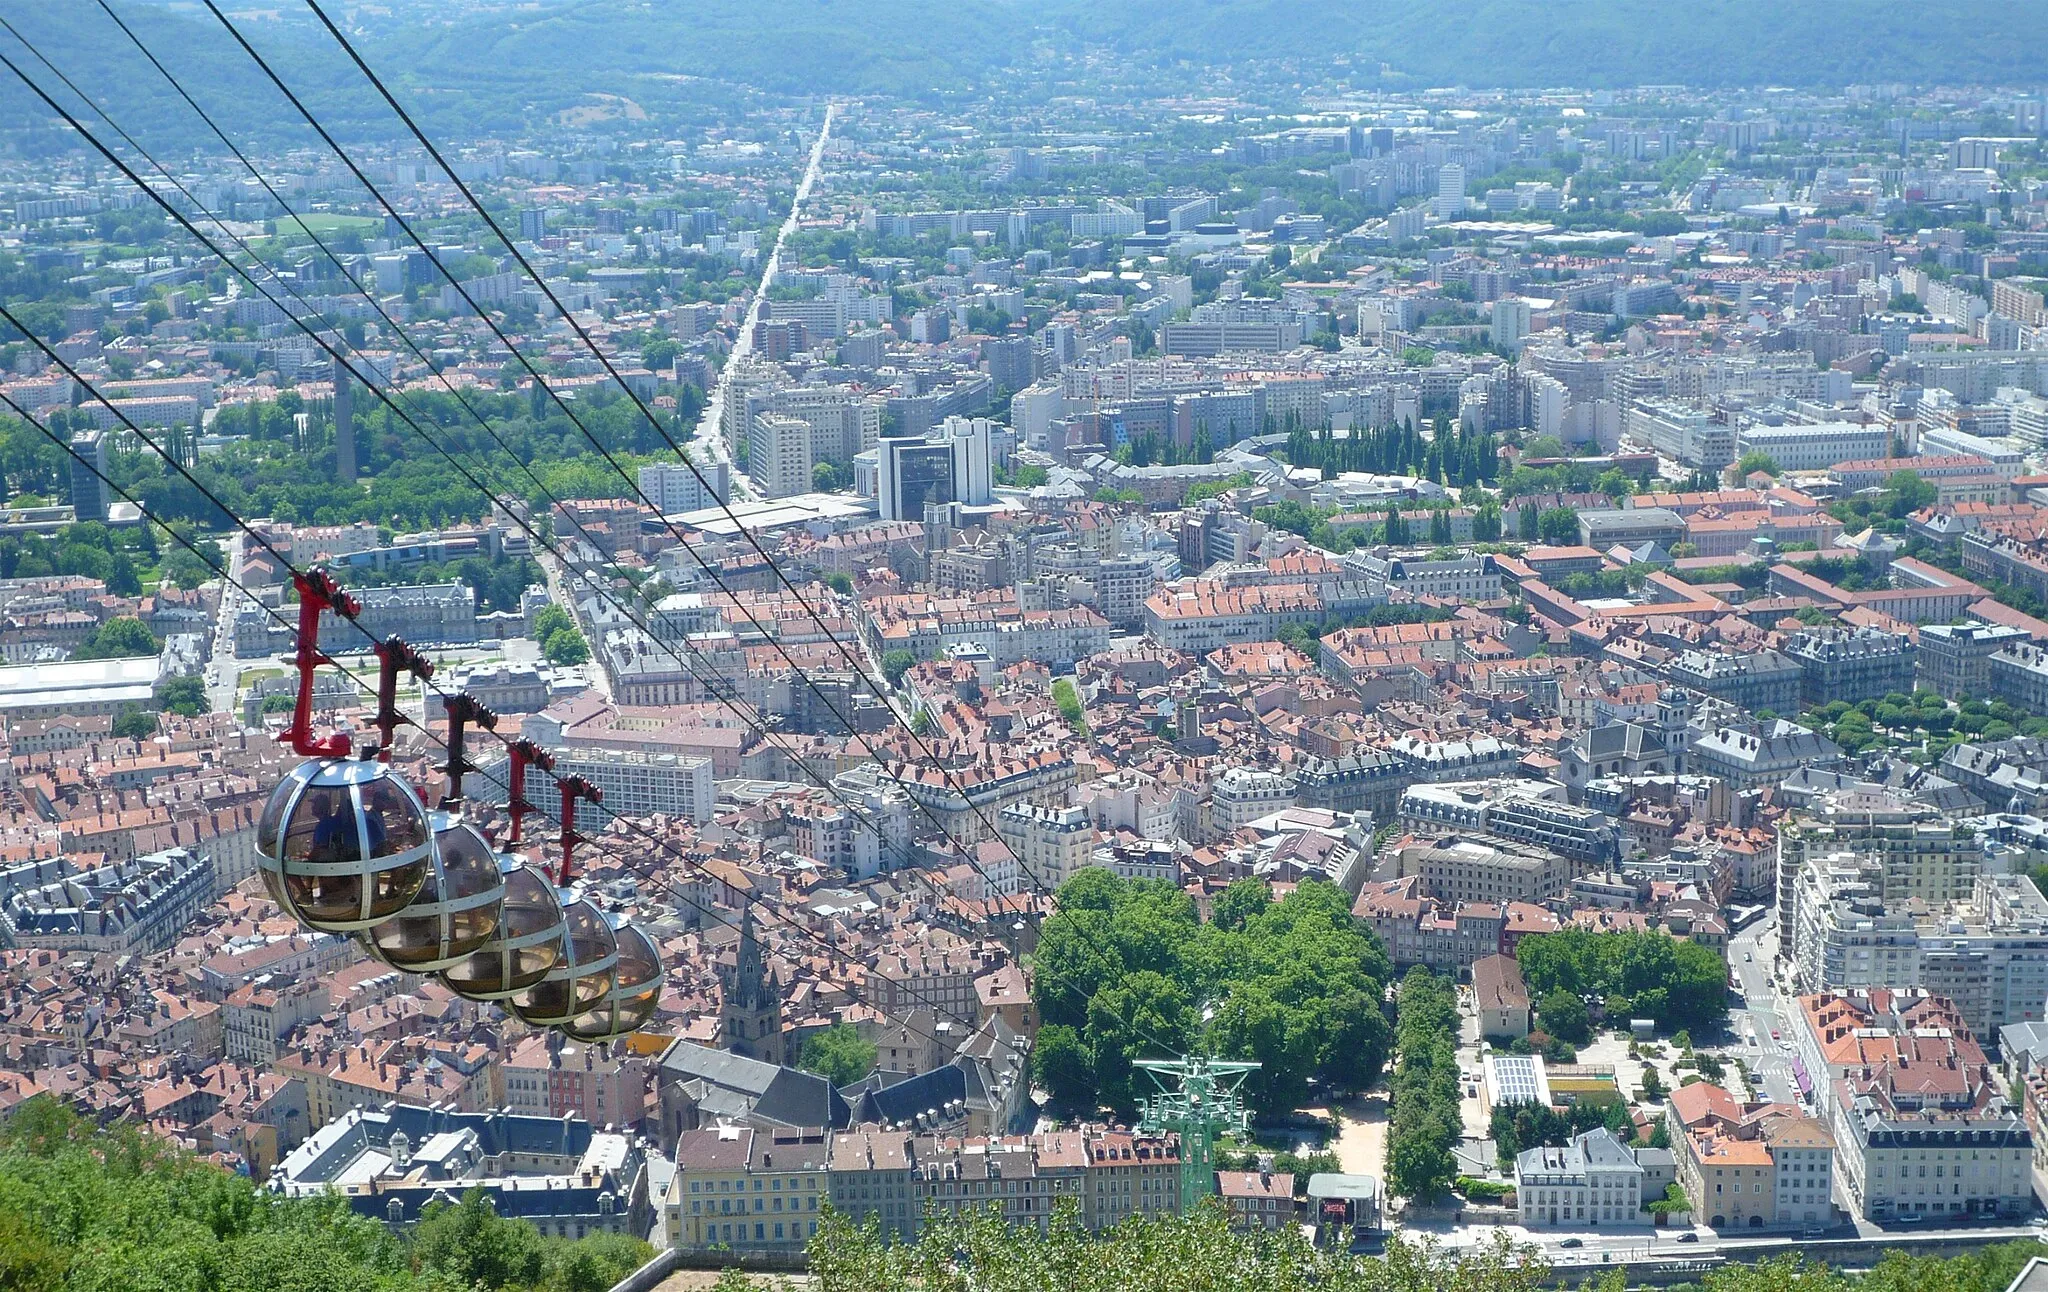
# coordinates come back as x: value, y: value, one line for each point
x: 1198, y: 1099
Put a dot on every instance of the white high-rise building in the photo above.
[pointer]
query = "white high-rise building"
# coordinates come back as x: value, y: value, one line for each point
x: 973, y: 470
x: 1510, y: 322
x: 672, y: 487
x: 1450, y: 191
x: 779, y: 454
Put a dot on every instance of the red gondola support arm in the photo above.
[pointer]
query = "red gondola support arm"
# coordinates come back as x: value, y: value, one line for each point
x: 463, y: 710
x: 318, y: 592
x: 524, y: 754
x: 573, y: 788
x: 394, y: 657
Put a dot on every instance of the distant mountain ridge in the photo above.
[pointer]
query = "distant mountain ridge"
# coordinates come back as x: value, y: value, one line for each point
x: 909, y: 46
x: 501, y: 71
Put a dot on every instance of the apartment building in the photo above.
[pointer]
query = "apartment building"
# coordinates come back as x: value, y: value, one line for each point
x: 1921, y: 852
x: 1763, y: 680
x: 1462, y: 578
x: 568, y: 1178
x: 868, y: 1177
x: 1592, y: 1182
x: 1764, y: 1166
x: 1811, y: 446
x: 2019, y: 676
x: 779, y: 454
x: 128, y: 907
x: 1839, y: 1033
x: 1257, y: 1199
x: 1769, y: 753
x: 1447, y: 938
x: 1241, y: 795
x: 1987, y: 954
x: 644, y: 784
x: 748, y: 1190
x: 1130, y: 1174
x: 1050, y: 842
x: 961, y: 803
x: 1954, y: 660
x: 545, y: 1076
x: 257, y: 1017
x: 1851, y: 664
x: 1679, y: 430
x: 1459, y: 869
x: 1932, y: 1141
x: 1532, y: 813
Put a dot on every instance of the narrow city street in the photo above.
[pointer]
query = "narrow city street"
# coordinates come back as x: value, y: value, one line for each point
x: 1759, y: 1026
x: 223, y: 673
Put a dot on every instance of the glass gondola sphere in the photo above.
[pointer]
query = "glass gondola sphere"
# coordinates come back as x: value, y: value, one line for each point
x: 529, y: 940
x: 582, y: 978
x: 636, y: 991
x: 343, y: 845
x: 458, y: 907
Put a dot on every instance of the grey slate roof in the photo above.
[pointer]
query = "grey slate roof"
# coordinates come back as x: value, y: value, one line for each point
x: 738, y: 1088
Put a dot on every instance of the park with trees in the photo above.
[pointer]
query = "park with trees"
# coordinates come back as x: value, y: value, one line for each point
x: 1128, y: 969
x: 1679, y: 984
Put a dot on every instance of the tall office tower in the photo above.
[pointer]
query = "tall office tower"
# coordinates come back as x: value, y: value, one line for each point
x: 344, y: 424
x: 910, y: 473
x: 89, y: 491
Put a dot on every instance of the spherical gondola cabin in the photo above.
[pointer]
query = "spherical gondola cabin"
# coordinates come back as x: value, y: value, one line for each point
x: 530, y: 939
x: 458, y: 908
x: 343, y: 845
x: 585, y: 975
x: 635, y: 993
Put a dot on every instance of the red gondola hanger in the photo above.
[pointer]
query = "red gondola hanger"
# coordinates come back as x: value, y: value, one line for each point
x: 523, y: 754
x: 573, y: 788
x: 317, y: 592
x: 394, y: 657
x: 463, y: 710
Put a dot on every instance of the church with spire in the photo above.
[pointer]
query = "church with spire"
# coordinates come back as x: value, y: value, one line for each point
x: 750, y: 1013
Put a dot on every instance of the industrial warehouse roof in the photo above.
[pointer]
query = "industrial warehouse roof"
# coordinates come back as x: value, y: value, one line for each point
x: 96, y: 681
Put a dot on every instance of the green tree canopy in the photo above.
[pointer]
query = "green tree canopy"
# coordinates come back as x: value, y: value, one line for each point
x: 565, y: 647
x: 895, y: 664
x: 182, y: 695
x: 1680, y: 984
x: 1426, y: 1123
x: 1754, y: 461
x: 117, y: 638
x: 1122, y: 965
x: 839, y: 1054
x: 1565, y: 1016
